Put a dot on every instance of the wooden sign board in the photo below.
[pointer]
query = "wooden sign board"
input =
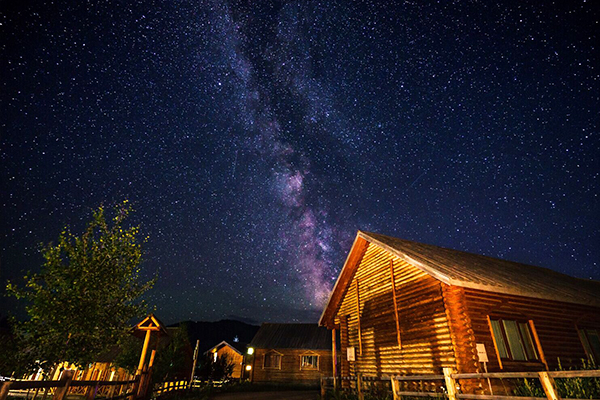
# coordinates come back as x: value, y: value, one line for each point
x: 351, y: 354
x: 481, y: 353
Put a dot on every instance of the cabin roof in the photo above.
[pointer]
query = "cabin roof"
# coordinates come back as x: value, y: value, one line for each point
x: 236, y: 346
x: 291, y: 336
x: 459, y: 268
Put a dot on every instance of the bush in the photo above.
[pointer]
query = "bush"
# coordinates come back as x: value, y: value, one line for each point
x: 574, y: 388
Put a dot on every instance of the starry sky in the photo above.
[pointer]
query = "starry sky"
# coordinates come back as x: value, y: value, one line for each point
x: 254, y: 138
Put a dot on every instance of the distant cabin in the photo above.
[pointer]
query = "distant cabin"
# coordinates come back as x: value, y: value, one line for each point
x: 234, y: 353
x: 404, y: 308
x: 290, y: 353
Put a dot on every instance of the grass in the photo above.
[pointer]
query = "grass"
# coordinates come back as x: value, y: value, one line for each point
x: 574, y: 388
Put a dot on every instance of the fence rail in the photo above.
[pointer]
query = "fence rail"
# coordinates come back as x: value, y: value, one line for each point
x: 164, y: 387
x: 450, y: 384
x: 62, y: 386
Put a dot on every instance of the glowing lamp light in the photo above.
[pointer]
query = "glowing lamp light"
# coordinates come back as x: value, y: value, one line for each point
x: 250, y: 350
x: 248, y: 367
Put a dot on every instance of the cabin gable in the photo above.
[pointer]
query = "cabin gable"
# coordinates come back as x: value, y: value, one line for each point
x: 370, y: 317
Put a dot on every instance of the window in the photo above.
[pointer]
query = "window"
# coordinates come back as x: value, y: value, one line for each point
x: 591, y: 343
x: 513, y: 340
x: 272, y: 360
x: 309, y: 362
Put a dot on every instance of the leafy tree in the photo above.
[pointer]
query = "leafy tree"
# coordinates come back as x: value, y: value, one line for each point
x: 88, y: 290
x: 214, y: 370
x: 171, y: 358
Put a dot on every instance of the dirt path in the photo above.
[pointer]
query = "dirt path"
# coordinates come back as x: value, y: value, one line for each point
x: 286, y: 395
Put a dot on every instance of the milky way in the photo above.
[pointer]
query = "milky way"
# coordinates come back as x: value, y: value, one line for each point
x: 255, y: 138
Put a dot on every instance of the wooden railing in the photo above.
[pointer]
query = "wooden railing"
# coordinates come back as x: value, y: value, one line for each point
x: 60, y: 388
x: 449, y: 381
x: 164, y: 387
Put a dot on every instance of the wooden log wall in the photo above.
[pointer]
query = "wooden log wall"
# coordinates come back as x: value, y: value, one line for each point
x: 555, y: 322
x: 461, y: 330
x: 426, y: 343
x: 290, y: 371
x: 233, y: 357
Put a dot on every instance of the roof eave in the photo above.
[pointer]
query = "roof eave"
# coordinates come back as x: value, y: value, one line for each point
x: 354, y: 256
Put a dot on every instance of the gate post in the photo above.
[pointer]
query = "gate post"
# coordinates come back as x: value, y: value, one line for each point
x: 395, y: 388
x: 4, y: 389
x: 450, y: 383
x: 61, y: 391
x: 549, y: 386
x: 361, y: 396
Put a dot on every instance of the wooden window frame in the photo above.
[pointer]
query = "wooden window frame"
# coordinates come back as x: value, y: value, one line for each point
x: 585, y: 342
x: 309, y: 368
x: 270, y: 353
x: 533, y: 340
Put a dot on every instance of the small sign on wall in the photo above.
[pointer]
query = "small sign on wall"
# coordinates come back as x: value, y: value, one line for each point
x: 481, y: 353
x: 350, y: 354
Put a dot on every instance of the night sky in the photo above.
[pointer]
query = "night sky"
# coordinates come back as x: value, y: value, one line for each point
x: 254, y: 138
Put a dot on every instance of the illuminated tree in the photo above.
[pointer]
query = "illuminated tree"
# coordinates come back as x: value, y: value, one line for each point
x: 87, y: 292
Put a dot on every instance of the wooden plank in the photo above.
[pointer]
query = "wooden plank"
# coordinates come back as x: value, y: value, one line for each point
x: 419, y: 378
x: 500, y: 375
x: 549, y: 386
x: 420, y: 394
x: 334, y: 358
x: 494, y: 340
x: 395, y: 304
x: 575, y: 374
x: 358, y: 315
x: 538, y: 344
x: 450, y: 384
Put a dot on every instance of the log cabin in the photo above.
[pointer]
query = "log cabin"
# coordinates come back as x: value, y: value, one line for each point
x: 406, y: 308
x: 234, y: 353
x: 290, y: 353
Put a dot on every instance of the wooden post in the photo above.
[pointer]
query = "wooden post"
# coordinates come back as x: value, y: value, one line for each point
x: 538, y: 344
x: 361, y: 396
x: 91, y: 395
x: 549, y: 386
x: 196, y: 360
x: 4, y: 389
x: 61, y: 391
x: 111, y: 389
x: 358, y: 315
x: 136, y: 386
x: 322, y: 388
x: 450, y: 383
x: 144, y: 351
x: 334, y: 358
x: 395, y: 304
x: 395, y: 388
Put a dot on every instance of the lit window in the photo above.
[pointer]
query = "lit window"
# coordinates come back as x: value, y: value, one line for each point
x: 309, y: 362
x: 513, y: 340
x: 591, y: 343
x: 272, y: 360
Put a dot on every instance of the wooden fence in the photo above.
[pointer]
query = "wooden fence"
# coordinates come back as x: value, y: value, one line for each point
x: 449, y: 384
x: 60, y: 388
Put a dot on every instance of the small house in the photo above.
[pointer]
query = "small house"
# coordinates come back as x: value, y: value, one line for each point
x: 234, y: 353
x: 290, y: 353
x: 407, y: 308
